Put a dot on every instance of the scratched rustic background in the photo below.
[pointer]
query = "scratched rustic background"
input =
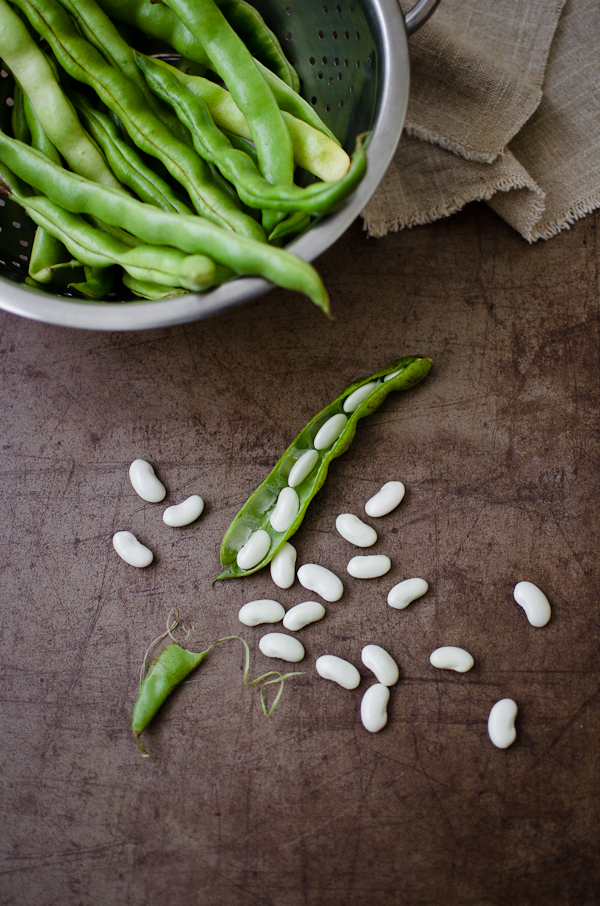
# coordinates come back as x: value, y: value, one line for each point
x: 499, y: 453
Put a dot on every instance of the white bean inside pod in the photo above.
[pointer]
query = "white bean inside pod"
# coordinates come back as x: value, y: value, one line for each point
x: 330, y: 431
x: 449, y: 657
x: 373, y: 707
x: 145, y: 483
x: 320, y: 580
x: 534, y: 602
x: 402, y: 594
x: 389, y: 377
x: 131, y: 550
x: 369, y: 567
x: 501, y: 723
x: 302, y: 468
x: 264, y: 611
x: 286, y: 510
x: 184, y: 513
x: 254, y: 550
x: 352, y: 402
x: 283, y: 566
x: 355, y: 530
x: 383, y: 665
x: 334, y: 668
x: 386, y: 499
x: 302, y: 614
x: 282, y: 646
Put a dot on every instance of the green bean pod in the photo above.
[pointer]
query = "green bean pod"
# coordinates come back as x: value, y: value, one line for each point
x: 18, y: 120
x: 166, y: 672
x: 194, y: 235
x: 256, y: 512
x: 95, y: 248
x: 125, y: 161
x: 147, y: 290
x: 86, y: 64
x: 238, y: 167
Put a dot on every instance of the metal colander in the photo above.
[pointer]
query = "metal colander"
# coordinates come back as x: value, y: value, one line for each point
x: 353, y: 61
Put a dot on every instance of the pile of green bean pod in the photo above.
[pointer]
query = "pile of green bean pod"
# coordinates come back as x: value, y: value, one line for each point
x: 136, y: 170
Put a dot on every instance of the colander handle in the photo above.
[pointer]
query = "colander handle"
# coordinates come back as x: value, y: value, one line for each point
x: 419, y: 14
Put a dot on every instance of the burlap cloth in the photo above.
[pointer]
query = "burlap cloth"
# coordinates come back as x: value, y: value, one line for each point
x: 504, y: 107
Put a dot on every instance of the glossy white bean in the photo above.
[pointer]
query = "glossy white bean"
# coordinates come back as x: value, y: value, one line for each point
x: 386, y: 499
x: 254, y: 550
x: 449, y: 657
x: 280, y: 645
x: 534, y: 602
x: 369, y: 567
x: 501, y: 723
x: 352, y: 402
x: 321, y: 580
x: 283, y: 566
x: 286, y: 510
x: 355, y: 530
x: 184, y: 513
x: 302, y: 468
x: 330, y: 431
x: 334, y: 668
x: 264, y: 611
x: 402, y: 594
x: 131, y: 550
x: 389, y: 377
x: 383, y: 665
x: 373, y: 707
x: 145, y: 483
x: 302, y: 614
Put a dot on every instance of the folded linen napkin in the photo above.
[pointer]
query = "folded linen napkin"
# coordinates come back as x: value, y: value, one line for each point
x: 504, y: 107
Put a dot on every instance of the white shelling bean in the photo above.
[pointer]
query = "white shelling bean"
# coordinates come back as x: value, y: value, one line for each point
x: 352, y: 402
x: 369, y: 567
x: 386, y: 499
x: 323, y: 581
x: 534, y: 602
x: 131, y: 550
x: 355, y: 531
x: 283, y: 566
x: 383, y: 665
x: 145, y: 483
x: 254, y: 550
x: 501, y: 723
x: 448, y: 657
x: 184, y: 513
x: 402, y: 594
x: 373, y: 707
x: 302, y: 468
x: 302, y: 614
x: 389, y: 377
x: 285, y: 647
x: 286, y: 510
x: 337, y: 669
x: 330, y: 431
x: 265, y: 611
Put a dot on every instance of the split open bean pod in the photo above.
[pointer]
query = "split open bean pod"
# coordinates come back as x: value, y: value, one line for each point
x: 306, y: 462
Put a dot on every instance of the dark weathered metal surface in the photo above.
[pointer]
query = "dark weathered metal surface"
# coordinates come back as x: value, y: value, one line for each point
x: 499, y: 453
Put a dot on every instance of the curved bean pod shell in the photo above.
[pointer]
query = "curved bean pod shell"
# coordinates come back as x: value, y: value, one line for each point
x: 255, y: 512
